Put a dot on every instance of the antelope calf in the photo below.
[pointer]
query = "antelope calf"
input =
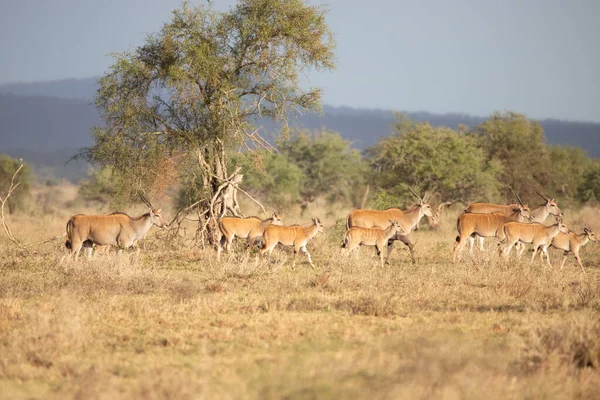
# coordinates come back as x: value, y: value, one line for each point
x: 250, y: 228
x: 408, y: 220
x: 294, y: 235
x: 571, y: 243
x: 377, y: 237
x: 116, y: 229
x: 539, y: 235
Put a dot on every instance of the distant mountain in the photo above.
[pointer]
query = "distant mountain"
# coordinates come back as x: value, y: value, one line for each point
x: 64, y: 89
x: 44, y: 122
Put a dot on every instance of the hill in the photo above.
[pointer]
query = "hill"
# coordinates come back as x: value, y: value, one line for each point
x: 47, y: 121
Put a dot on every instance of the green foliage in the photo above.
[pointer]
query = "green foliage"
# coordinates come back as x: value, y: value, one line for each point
x: 193, y: 90
x: 520, y: 146
x: 8, y: 167
x: 309, y: 165
x: 566, y: 172
x: 432, y: 159
x: 589, y: 190
x: 272, y: 176
x: 331, y: 168
x: 101, y: 186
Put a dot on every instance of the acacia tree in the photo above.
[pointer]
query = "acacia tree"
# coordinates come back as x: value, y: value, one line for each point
x: 193, y: 91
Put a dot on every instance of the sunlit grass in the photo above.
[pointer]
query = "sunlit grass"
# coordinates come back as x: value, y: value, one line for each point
x: 174, y: 323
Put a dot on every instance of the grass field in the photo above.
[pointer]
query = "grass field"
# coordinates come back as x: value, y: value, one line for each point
x: 174, y: 323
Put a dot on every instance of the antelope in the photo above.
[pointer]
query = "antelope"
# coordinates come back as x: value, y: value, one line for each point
x: 539, y: 235
x: 294, y: 235
x: 571, y: 243
x: 408, y: 220
x: 377, y: 237
x: 487, y: 208
x: 116, y: 229
x: 542, y: 212
x: 250, y: 228
x: 482, y: 226
x: 434, y: 221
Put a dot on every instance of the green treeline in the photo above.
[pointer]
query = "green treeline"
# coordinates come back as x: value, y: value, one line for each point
x: 507, y: 151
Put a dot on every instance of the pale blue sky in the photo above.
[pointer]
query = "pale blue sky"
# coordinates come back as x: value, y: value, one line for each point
x: 539, y: 57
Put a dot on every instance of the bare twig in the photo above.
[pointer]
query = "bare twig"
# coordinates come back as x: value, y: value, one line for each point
x: 11, y: 189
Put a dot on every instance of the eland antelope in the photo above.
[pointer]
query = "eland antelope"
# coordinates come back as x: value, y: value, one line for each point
x: 539, y: 214
x: 377, y: 237
x: 571, y: 243
x: 482, y: 226
x: 488, y: 208
x: 116, y: 229
x: 408, y: 220
x: 250, y: 228
x: 535, y: 233
x: 294, y: 235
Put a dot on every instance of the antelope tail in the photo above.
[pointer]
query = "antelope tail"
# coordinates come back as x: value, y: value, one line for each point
x: 345, y: 242
x: 69, y: 229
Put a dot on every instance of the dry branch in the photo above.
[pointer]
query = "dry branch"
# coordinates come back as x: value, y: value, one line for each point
x: 11, y: 189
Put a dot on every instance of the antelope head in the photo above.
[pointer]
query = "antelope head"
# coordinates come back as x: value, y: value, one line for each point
x: 276, y: 219
x: 320, y: 227
x: 425, y: 207
x: 523, y: 208
x: 396, y: 226
x: 561, y: 225
x: 155, y: 215
x: 550, y: 204
x: 591, y: 235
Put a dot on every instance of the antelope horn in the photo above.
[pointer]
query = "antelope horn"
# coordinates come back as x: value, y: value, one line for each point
x: 538, y: 192
x: 416, y: 195
x: 442, y: 205
x: 145, y: 200
x: 517, y: 196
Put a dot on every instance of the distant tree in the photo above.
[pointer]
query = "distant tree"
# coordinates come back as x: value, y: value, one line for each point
x: 17, y: 200
x: 566, y: 171
x: 101, y: 186
x: 190, y: 94
x: 589, y: 190
x: 520, y: 146
x: 273, y: 177
x: 431, y: 159
x: 331, y: 168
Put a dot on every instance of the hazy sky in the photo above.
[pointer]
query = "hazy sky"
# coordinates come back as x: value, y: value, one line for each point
x: 539, y: 57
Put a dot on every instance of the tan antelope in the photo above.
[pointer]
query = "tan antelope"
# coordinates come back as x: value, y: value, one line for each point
x: 542, y: 212
x: 535, y: 233
x: 408, y: 220
x: 571, y: 243
x: 116, y: 229
x: 250, y: 228
x: 482, y: 226
x: 294, y: 235
x: 488, y: 208
x: 377, y: 237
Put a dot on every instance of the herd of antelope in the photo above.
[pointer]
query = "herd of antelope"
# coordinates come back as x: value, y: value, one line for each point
x: 514, y: 224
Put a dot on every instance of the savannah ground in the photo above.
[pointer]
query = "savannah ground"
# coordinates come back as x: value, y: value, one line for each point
x: 174, y: 323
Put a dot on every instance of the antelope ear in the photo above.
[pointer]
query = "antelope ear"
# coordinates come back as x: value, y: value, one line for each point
x: 158, y: 211
x: 314, y: 220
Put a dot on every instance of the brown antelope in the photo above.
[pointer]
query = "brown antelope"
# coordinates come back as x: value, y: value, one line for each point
x: 482, y: 226
x: 488, y: 208
x: 539, y: 235
x: 356, y: 236
x: 571, y: 243
x: 116, y: 229
x: 294, y: 235
x: 408, y: 220
x: 250, y: 228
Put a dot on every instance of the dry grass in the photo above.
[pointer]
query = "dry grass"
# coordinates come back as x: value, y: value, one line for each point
x: 176, y: 324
